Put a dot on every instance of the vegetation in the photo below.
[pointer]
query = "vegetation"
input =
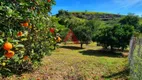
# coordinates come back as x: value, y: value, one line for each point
x: 132, y: 20
x: 113, y: 33
x: 28, y: 34
x: 91, y: 15
x: 24, y: 34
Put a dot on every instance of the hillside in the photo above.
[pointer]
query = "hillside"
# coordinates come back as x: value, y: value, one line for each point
x: 100, y: 15
x: 90, y: 15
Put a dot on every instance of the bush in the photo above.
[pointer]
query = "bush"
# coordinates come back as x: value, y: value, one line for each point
x: 25, y: 25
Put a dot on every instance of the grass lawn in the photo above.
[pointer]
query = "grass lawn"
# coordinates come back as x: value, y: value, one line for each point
x: 69, y: 62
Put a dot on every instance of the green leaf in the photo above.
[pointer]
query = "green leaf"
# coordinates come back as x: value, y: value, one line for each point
x: 24, y: 39
x: 1, y: 41
x: 22, y: 4
x: 15, y: 41
x: 1, y: 7
x: 7, y: 69
x: 9, y: 39
x: 19, y: 45
x: 16, y: 58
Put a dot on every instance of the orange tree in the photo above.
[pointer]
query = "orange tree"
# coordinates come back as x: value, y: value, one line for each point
x: 25, y: 37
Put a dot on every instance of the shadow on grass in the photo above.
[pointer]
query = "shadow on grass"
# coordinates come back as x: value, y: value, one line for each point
x: 101, y: 53
x: 120, y: 74
x: 71, y: 47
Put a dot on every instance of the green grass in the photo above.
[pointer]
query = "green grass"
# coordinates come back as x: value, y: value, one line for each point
x: 69, y: 62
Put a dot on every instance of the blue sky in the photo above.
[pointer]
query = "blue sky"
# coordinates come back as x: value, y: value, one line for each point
x: 110, y: 6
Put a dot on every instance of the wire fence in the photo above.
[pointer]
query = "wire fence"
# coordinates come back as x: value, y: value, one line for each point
x: 135, y: 58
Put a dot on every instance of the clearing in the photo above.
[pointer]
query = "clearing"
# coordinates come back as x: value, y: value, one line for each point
x: 69, y: 62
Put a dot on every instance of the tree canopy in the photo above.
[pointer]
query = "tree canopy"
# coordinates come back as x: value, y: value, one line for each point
x: 117, y: 36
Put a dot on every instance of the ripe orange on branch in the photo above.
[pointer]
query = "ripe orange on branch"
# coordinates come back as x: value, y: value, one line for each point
x: 19, y: 33
x: 58, y: 39
x: 7, y: 46
x: 25, y: 24
x: 9, y: 54
x: 48, y: 0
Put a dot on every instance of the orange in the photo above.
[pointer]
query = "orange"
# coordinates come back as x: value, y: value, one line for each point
x: 25, y: 24
x: 58, y: 39
x: 9, y: 54
x: 48, y: 0
x: 7, y: 46
x: 19, y: 33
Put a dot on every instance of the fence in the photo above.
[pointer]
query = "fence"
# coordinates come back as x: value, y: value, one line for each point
x: 135, y: 59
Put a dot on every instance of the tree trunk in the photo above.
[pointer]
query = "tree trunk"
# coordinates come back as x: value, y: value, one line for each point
x: 122, y: 48
x: 54, y: 46
x: 112, y: 49
x: 105, y: 46
x: 81, y: 45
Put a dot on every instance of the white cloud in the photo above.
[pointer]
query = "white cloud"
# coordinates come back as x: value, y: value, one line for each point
x: 128, y: 3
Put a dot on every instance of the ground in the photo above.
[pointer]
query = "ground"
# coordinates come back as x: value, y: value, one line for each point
x: 69, y: 62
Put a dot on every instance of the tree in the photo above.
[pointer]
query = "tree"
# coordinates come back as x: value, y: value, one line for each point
x: 130, y: 19
x: 62, y: 13
x: 94, y: 25
x: 115, y: 37
x: 25, y: 25
x: 140, y: 28
x: 83, y: 34
x: 79, y: 27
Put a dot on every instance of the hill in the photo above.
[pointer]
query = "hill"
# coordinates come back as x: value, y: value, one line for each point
x: 90, y: 15
x: 100, y: 15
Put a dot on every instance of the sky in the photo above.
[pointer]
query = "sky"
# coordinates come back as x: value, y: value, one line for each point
x: 110, y: 6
